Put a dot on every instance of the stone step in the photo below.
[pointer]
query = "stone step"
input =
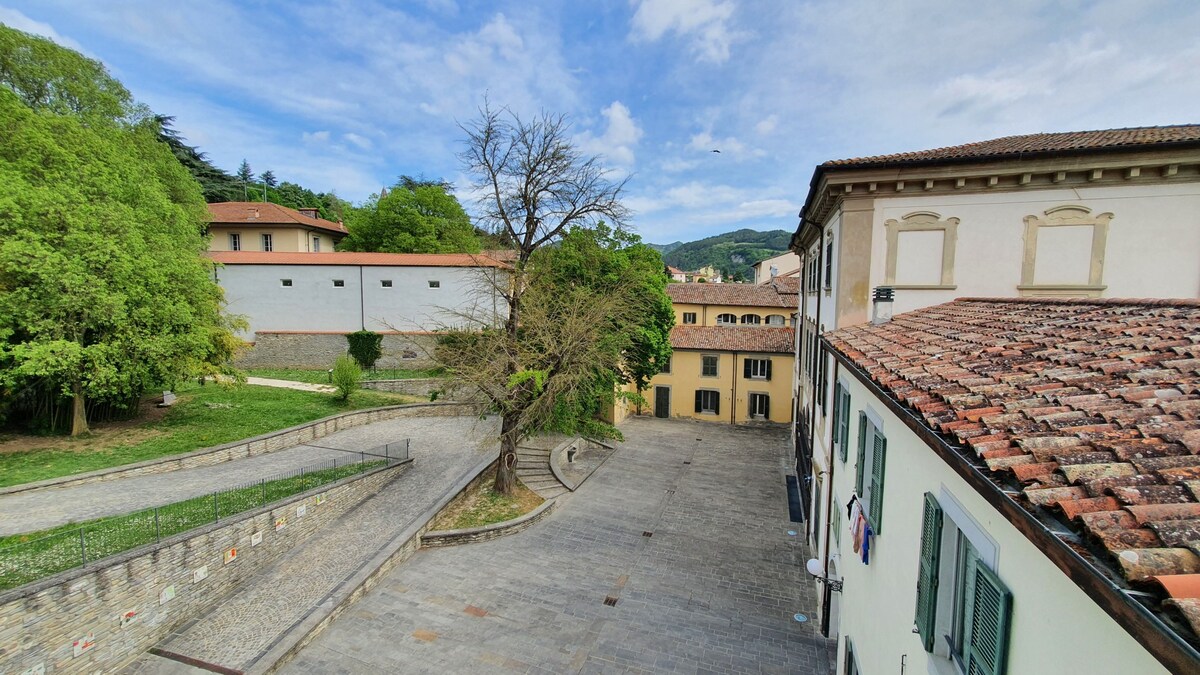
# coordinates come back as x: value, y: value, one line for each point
x: 538, y: 484
x: 552, y: 492
x: 525, y: 476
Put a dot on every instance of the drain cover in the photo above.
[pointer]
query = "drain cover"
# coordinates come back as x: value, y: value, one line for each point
x: 647, y: 534
x: 800, y: 618
x: 611, y: 601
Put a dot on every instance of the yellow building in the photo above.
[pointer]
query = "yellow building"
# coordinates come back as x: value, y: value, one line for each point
x: 772, y: 304
x: 262, y: 226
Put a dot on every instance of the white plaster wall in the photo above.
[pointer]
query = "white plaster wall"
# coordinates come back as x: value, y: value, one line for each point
x: 1052, y: 618
x: 1153, y: 247
x: 313, y: 304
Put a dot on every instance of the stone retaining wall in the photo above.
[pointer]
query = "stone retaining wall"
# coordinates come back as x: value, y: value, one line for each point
x: 285, y: 349
x: 41, y: 623
x: 277, y: 440
x: 493, y: 531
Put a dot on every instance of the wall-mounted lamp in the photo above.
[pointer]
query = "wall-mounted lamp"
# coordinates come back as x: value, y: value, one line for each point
x: 814, y: 568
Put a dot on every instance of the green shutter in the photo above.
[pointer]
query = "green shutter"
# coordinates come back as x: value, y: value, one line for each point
x: 837, y: 410
x: 746, y: 369
x: 768, y: 370
x: 927, y: 574
x: 879, y: 454
x: 767, y: 407
x: 989, y: 612
x: 844, y: 408
x: 699, y: 394
x: 862, y: 453
x: 716, y: 403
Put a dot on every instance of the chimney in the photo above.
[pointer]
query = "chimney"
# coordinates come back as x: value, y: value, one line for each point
x: 882, y: 304
x: 774, y: 271
x: 253, y: 213
x: 308, y: 211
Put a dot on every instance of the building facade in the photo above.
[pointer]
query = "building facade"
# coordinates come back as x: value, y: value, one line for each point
x: 266, y: 227
x: 782, y: 265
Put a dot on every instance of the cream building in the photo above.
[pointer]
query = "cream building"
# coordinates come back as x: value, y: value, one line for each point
x: 782, y: 265
x: 262, y: 226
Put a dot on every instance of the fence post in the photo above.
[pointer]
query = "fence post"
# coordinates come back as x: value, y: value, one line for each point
x: 387, y: 455
x: 216, y: 512
x: 157, y: 529
x: 262, y: 483
x: 82, y: 547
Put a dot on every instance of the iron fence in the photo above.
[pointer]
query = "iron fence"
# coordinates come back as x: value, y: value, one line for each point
x: 78, y: 546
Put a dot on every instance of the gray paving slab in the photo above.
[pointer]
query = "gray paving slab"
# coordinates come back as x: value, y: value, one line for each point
x: 245, y: 625
x: 713, y: 589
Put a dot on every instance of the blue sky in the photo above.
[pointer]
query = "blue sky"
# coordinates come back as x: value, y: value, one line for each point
x: 347, y: 96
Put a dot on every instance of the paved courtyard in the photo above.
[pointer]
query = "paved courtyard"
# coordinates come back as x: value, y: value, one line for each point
x: 685, y: 526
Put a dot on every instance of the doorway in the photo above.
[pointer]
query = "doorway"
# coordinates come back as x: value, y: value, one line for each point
x: 662, y: 402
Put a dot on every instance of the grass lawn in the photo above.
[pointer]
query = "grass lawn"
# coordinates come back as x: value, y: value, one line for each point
x: 321, y: 376
x: 30, y: 556
x: 201, y: 417
x: 482, y: 506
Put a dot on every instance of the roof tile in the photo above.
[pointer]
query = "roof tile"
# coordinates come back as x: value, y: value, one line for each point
x: 744, y: 295
x: 350, y: 258
x: 266, y: 213
x: 760, y: 339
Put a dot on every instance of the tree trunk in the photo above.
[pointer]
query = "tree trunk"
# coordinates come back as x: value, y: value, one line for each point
x: 506, y: 467
x: 79, y: 423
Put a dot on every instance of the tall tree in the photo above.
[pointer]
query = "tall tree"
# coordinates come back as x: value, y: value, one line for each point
x: 216, y: 183
x: 536, y: 184
x: 246, y: 176
x: 421, y: 218
x: 104, y: 292
x: 268, y: 178
x: 46, y: 76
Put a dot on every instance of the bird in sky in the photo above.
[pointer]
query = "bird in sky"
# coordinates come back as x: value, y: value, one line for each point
x: 717, y: 151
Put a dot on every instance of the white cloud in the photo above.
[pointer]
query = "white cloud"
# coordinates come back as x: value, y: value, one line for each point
x: 729, y: 146
x: 767, y: 124
x: 315, y: 137
x: 361, y: 141
x: 705, y: 22
x: 15, y: 19
x: 620, y: 137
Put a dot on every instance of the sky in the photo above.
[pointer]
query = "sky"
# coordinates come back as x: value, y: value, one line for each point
x: 348, y: 96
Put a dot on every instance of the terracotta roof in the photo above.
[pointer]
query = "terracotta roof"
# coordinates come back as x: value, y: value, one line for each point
x: 734, y: 338
x: 1090, y: 407
x: 1065, y: 142
x: 502, y: 254
x: 674, y: 270
x: 266, y: 213
x: 786, y: 284
x: 745, y: 295
x: 351, y: 258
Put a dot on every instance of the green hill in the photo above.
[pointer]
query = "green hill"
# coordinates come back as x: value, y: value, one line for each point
x: 734, y: 253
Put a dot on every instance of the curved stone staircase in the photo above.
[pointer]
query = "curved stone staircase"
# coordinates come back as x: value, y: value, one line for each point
x: 533, y: 467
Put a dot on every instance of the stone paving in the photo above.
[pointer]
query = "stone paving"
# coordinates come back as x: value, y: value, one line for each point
x: 289, y: 384
x: 712, y: 589
x: 249, y: 622
x: 40, y: 509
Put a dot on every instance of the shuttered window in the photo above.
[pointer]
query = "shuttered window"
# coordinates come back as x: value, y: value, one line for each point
x: 872, y: 461
x: 841, y: 417
x: 756, y: 369
x: 708, y: 401
x: 862, y: 453
x: 927, y: 574
x: 989, y: 612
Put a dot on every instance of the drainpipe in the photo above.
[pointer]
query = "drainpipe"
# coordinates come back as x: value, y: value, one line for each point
x: 816, y: 345
x: 733, y: 400
x: 827, y: 593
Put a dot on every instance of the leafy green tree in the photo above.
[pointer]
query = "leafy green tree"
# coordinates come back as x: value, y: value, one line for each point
x: 45, y: 76
x: 217, y: 184
x: 244, y: 173
x: 268, y: 178
x: 423, y: 218
x: 346, y: 376
x: 104, y: 292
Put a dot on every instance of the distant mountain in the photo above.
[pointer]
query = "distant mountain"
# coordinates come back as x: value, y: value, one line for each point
x: 666, y: 248
x: 734, y: 253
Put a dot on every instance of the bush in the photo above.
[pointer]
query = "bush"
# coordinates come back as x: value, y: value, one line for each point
x: 366, y: 347
x: 346, y: 375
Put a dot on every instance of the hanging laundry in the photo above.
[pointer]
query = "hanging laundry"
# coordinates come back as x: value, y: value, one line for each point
x: 857, y: 531
x: 866, y: 543
x: 855, y: 512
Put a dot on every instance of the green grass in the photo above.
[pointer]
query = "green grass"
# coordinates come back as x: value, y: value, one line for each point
x: 202, y: 417
x: 30, y: 556
x: 321, y: 376
x: 484, y: 506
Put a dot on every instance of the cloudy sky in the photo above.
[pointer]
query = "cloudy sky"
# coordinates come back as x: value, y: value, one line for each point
x: 347, y: 96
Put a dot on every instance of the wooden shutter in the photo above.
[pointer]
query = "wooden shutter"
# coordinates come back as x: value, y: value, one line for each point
x: 878, y: 456
x: 927, y: 574
x: 766, y: 406
x: 699, y: 400
x: 862, y: 453
x: 746, y: 369
x: 768, y: 370
x: 716, y: 403
x: 844, y: 431
x: 989, y: 612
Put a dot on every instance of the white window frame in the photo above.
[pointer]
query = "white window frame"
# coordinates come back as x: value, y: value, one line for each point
x: 716, y: 365
x: 758, y: 368
x: 704, y: 396
x: 691, y: 315
x: 235, y: 241
x: 316, y: 245
x: 722, y: 321
x: 268, y: 242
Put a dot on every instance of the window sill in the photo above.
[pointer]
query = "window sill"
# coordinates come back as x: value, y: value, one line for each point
x: 924, y: 287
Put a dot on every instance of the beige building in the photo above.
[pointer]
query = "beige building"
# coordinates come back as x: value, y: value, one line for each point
x: 782, y: 265
x: 699, y: 304
x: 262, y: 226
x: 1025, y: 468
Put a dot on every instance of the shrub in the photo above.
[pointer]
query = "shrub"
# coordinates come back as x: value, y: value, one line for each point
x: 366, y: 347
x: 346, y: 375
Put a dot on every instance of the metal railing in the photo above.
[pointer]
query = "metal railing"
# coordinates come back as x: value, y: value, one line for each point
x: 82, y: 545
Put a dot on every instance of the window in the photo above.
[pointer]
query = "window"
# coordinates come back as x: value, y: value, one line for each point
x: 760, y: 406
x: 972, y: 619
x: 920, y: 251
x: 235, y: 242
x: 386, y: 283
x: 1064, y: 252
x: 267, y: 244
x: 829, y: 265
x: 751, y: 319
x: 316, y: 245
x: 708, y: 365
x: 872, y: 453
x: 841, y: 419
x: 435, y: 284
x: 726, y: 320
x: 823, y: 382
x: 757, y: 369
x: 339, y: 283
x: 851, y: 664
x: 776, y: 320
x: 286, y: 283
x: 666, y: 368
x: 689, y: 317
x: 708, y: 402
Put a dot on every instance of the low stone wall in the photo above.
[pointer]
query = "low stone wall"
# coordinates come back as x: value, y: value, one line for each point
x: 447, y: 389
x: 288, y: 349
x: 493, y: 531
x: 276, y: 440
x: 101, y: 617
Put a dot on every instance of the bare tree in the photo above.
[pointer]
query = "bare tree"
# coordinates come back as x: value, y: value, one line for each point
x: 535, y: 185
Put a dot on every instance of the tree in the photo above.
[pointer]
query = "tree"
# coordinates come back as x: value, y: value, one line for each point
x: 268, y: 179
x: 421, y: 217
x: 246, y: 176
x: 217, y: 184
x: 536, y: 185
x: 48, y: 77
x: 104, y: 292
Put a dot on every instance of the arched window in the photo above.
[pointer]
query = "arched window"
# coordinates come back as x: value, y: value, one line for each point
x: 726, y: 320
x: 752, y: 319
x: 776, y: 320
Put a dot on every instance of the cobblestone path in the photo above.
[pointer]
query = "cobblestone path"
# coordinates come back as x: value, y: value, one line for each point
x: 248, y: 622
x: 685, y: 527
